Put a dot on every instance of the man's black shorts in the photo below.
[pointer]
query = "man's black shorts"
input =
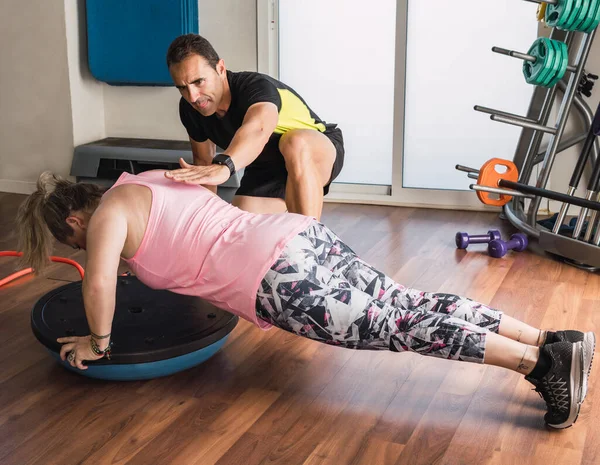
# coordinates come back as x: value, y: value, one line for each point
x: 266, y: 176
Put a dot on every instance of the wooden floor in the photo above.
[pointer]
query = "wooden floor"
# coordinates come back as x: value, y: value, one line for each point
x: 271, y: 397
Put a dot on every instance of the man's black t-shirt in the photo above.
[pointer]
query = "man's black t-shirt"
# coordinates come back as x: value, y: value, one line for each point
x: 248, y: 88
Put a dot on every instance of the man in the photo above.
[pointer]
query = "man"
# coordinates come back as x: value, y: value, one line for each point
x: 289, y: 154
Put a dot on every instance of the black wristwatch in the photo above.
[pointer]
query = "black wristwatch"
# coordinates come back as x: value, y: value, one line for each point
x: 223, y: 159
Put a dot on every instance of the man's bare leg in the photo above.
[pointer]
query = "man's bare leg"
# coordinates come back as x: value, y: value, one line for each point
x: 309, y: 156
x: 259, y: 204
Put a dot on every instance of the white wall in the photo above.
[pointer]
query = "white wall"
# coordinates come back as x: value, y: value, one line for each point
x: 87, y: 96
x: 448, y: 73
x: 153, y: 112
x: 36, y: 129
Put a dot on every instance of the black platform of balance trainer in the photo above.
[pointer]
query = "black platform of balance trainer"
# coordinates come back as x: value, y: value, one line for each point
x: 154, y: 332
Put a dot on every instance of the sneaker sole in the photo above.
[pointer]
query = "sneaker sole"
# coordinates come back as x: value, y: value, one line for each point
x: 588, y: 349
x: 575, y: 386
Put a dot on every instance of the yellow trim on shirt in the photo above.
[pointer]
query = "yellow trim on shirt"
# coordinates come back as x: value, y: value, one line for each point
x: 294, y: 114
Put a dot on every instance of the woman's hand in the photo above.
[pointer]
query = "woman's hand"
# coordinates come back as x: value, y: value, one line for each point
x: 76, y: 350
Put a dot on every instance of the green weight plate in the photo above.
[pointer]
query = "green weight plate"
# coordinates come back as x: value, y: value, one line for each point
x: 562, y: 53
x: 551, y: 63
x: 554, y: 65
x: 547, y: 56
x: 595, y: 19
x: 557, y: 15
x: 577, y: 6
x: 581, y: 15
x: 589, y: 20
x: 532, y: 70
x: 565, y: 62
x: 564, y: 19
x: 552, y: 14
x: 535, y: 73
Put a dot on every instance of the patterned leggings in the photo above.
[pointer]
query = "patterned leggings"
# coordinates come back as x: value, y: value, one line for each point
x: 318, y: 288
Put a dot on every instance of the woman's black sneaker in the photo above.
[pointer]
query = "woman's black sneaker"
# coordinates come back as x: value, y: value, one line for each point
x: 561, y: 386
x: 588, y: 341
x: 563, y: 336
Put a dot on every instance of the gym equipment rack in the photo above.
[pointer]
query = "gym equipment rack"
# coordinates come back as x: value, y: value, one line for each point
x: 583, y: 251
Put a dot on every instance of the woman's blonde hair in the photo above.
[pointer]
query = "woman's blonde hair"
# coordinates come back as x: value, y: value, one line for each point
x: 43, y: 216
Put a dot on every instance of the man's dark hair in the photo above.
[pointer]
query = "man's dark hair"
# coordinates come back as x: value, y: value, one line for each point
x: 191, y: 44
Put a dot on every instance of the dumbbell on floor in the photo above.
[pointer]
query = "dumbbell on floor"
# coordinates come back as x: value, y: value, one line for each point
x: 463, y: 240
x: 498, y: 248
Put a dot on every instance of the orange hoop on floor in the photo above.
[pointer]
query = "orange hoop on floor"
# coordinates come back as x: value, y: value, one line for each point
x: 26, y: 271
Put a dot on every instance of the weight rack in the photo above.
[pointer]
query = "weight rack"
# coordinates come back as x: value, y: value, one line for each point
x: 582, y: 251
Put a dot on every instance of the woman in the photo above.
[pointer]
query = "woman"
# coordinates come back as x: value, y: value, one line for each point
x: 283, y: 270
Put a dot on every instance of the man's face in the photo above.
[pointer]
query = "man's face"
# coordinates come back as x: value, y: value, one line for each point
x: 199, y: 83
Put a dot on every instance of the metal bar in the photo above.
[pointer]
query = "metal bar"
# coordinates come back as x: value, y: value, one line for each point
x: 523, y: 151
x: 466, y: 169
x: 596, y: 240
x: 524, y: 124
x: 590, y: 227
x: 553, y: 2
x: 583, y: 157
x: 587, y: 114
x: 472, y: 176
x: 540, y: 193
x: 563, y: 212
x: 579, y: 224
x: 593, y: 184
x: 491, y: 111
x: 562, y: 118
x: 581, y: 218
x: 514, y: 54
x: 523, y: 56
x: 564, y: 145
x: 544, y: 116
x: 517, y: 222
x: 576, y: 176
x: 537, y: 137
x: 495, y: 190
x: 529, y: 143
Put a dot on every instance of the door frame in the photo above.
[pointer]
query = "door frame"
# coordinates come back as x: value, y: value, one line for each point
x: 396, y: 194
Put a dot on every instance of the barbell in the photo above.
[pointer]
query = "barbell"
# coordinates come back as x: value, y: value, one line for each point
x: 493, y: 180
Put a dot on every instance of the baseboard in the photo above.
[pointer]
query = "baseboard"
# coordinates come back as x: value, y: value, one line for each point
x: 368, y: 189
x: 17, y: 187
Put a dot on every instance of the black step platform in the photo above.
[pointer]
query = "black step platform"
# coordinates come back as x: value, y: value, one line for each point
x: 103, y: 161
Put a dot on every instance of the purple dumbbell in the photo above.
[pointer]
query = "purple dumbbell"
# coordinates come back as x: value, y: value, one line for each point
x: 498, y: 248
x: 463, y: 240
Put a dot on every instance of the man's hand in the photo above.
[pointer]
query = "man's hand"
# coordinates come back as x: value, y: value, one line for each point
x: 211, y: 175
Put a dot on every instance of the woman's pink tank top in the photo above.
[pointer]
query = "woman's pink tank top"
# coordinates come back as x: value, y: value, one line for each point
x: 198, y: 244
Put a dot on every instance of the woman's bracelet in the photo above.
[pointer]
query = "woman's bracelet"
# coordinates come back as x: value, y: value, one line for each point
x: 96, y: 349
x: 95, y: 336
